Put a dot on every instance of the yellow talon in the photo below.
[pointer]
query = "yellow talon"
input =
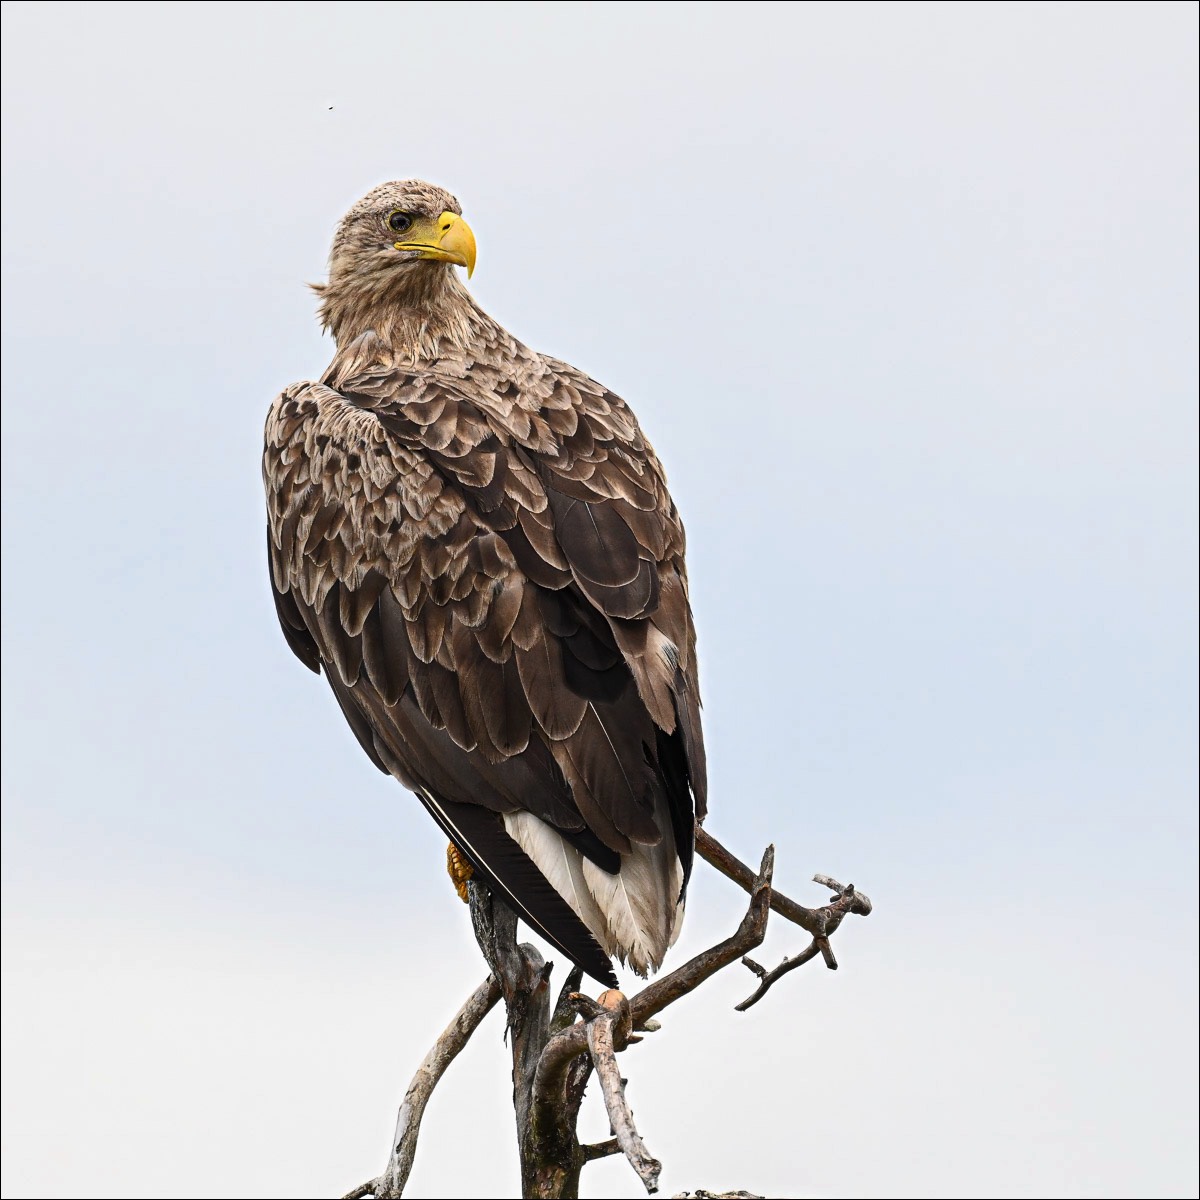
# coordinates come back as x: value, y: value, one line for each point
x: 459, y: 871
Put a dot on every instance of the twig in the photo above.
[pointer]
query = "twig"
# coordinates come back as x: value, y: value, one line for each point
x: 602, y: 1037
x: 769, y: 977
x: 408, y: 1121
x: 848, y: 901
x: 595, y: 1150
x: 812, y: 920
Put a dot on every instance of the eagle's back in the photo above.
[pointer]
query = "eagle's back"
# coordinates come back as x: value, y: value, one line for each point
x: 483, y: 557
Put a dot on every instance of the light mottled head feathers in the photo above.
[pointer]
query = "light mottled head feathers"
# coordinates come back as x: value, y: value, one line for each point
x: 374, y: 287
x: 365, y: 225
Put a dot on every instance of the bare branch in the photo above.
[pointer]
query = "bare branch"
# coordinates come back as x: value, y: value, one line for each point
x: 586, y: 1007
x: 812, y: 920
x: 769, y: 977
x: 595, y: 1150
x: 603, y: 1031
x: 445, y: 1050
x: 848, y: 901
x: 412, y: 1108
x: 555, y: 1053
x: 834, y: 886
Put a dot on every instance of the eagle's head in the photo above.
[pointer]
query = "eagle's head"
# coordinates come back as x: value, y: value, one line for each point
x: 395, y: 248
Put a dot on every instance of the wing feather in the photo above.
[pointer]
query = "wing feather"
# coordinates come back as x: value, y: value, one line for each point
x: 492, y: 578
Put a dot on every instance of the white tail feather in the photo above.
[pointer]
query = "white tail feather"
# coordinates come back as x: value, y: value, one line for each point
x: 634, y: 914
x: 639, y: 915
x: 562, y: 866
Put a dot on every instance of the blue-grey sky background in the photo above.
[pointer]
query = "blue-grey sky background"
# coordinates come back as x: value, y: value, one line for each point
x: 904, y: 295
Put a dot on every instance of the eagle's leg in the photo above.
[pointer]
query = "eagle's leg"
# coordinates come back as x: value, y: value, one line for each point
x: 459, y: 871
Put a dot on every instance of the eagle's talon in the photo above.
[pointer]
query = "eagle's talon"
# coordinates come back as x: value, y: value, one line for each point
x: 459, y: 870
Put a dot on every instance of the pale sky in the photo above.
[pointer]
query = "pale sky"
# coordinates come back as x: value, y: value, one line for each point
x: 904, y: 295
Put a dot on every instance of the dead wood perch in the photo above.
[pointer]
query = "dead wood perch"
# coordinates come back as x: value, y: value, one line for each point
x: 556, y: 1049
x: 609, y: 1025
x: 848, y: 901
x: 412, y: 1108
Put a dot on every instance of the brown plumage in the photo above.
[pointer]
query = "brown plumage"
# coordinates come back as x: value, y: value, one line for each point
x: 476, y: 545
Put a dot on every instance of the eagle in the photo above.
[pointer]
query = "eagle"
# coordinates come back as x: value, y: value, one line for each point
x: 474, y: 543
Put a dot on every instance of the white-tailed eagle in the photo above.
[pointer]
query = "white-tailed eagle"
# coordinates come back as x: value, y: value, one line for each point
x: 475, y: 544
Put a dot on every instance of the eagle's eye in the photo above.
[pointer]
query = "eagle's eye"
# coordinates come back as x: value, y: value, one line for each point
x: 400, y: 221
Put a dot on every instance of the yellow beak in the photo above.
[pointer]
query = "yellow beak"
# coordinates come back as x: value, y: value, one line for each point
x: 448, y: 240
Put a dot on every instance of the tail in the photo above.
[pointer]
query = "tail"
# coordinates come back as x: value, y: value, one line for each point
x: 503, y: 864
x: 634, y: 913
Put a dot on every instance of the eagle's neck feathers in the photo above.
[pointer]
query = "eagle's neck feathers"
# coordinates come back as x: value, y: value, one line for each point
x: 399, y: 318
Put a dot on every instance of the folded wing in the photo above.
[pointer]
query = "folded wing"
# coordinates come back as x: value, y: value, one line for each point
x: 494, y: 586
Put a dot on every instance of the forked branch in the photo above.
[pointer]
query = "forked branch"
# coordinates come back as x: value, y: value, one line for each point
x: 817, y: 921
x: 555, y: 1052
x: 821, y: 923
x: 593, y: 1034
x: 609, y: 1024
x: 848, y: 901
